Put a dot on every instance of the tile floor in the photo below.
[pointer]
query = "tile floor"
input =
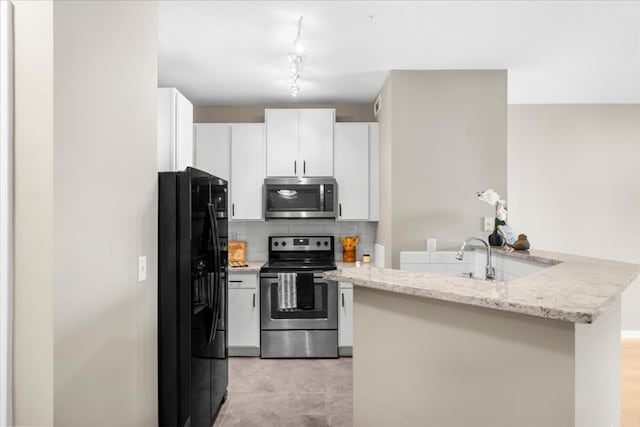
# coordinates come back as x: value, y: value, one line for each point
x: 288, y: 393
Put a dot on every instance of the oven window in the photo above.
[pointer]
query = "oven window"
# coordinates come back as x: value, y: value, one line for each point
x: 293, y: 198
x: 318, y: 309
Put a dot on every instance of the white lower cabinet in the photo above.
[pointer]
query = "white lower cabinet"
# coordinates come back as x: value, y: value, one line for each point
x: 345, y: 320
x: 244, y: 315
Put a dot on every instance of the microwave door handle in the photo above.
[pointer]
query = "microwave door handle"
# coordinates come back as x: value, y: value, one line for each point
x: 322, y: 197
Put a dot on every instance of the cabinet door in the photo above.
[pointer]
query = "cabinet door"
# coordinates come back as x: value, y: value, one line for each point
x: 184, y: 132
x: 282, y: 142
x: 244, y: 318
x: 315, y: 141
x: 213, y: 148
x: 373, y: 172
x: 247, y: 170
x: 166, y: 130
x: 351, y: 170
x: 345, y: 317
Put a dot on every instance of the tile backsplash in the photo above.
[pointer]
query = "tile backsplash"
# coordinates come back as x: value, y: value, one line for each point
x: 257, y: 233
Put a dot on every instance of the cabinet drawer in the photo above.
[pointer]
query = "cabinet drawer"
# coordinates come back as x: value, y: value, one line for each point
x: 243, y: 281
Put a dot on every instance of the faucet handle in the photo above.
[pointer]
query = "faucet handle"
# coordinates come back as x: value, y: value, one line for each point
x: 491, y: 273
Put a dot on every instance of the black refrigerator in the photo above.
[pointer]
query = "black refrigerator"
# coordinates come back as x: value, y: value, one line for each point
x: 192, y: 297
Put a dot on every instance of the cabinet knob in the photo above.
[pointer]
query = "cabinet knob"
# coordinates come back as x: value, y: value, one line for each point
x: 339, y: 209
x: 295, y: 169
x: 254, y: 299
x: 304, y: 166
x: 233, y: 209
x: 342, y: 293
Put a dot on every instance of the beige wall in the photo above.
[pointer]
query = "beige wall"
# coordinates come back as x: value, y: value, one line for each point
x: 255, y: 113
x: 33, y: 281
x: 423, y: 362
x: 447, y: 140
x: 574, y: 183
x: 86, y: 208
x: 385, y: 125
x: 105, y: 212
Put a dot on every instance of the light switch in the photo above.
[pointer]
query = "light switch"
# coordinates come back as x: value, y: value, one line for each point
x: 142, y: 268
x: 488, y: 223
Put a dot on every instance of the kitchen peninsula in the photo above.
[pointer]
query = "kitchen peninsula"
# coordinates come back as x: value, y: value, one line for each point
x: 542, y: 349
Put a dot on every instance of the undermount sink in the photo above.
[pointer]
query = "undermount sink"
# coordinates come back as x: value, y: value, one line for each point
x: 473, y: 266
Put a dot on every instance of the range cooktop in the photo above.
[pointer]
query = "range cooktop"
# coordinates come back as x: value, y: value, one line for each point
x: 300, y: 253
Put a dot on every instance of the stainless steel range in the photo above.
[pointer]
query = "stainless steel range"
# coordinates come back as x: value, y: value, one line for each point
x: 299, y: 308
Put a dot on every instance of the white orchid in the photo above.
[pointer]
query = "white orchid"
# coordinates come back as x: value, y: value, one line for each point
x: 489, y: 196
x: 501, y: 211
x: 492, y: 198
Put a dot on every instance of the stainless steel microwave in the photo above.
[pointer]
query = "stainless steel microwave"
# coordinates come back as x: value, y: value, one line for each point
x: 300, y: 198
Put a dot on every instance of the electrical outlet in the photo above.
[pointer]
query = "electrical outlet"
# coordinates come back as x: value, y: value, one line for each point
x: 142, y: 268
x: 488, y: 223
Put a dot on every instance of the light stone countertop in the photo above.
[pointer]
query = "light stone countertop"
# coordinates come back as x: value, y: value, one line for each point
x: 254, y: 267
x: 574, y: 289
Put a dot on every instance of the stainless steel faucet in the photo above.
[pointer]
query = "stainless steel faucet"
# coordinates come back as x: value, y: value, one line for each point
x: 490, y: 271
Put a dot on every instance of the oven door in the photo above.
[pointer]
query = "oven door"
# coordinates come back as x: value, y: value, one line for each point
x: 323, y: 314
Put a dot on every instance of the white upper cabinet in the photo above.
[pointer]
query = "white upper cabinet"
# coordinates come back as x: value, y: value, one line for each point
x: 175, y: 130
x: 236, y: 153
x: 355, y: 170
x: 374, y: 166
x: 247, y: 170
x: 282, y: 142
x: 299, y: 142
x: 213, y: 148
x: 315, y: 141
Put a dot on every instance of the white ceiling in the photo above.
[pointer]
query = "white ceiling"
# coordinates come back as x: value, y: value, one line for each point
x: 235, y: 52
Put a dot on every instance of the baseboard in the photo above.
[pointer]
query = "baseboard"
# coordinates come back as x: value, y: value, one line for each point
x: 630, y: 334
x: 244, y: 351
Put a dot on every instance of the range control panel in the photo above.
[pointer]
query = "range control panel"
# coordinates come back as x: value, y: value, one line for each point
x: 301, y: 243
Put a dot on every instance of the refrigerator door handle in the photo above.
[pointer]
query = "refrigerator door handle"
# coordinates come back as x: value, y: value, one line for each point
x: 216, y: 273
x: 213, y: 225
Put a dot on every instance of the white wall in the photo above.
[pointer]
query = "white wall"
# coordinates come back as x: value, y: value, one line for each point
x: 33, y: 227
x: 574, y: 183
x: 6, y: 209
x: 86, y: 208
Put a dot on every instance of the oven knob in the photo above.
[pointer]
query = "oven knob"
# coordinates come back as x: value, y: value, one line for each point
x: 326, y: 243
x: 275, y: 243
x: 284, y: 243
x: 317, y: 243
